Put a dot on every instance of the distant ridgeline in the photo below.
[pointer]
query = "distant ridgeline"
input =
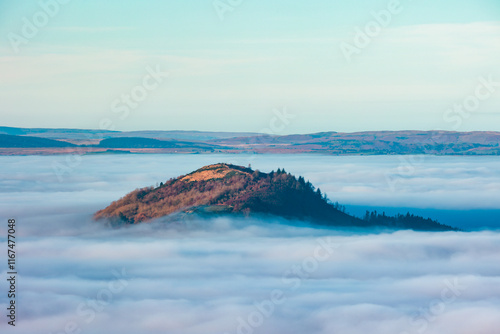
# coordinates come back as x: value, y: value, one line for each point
x: 229, y: 189
x: 62, y: 141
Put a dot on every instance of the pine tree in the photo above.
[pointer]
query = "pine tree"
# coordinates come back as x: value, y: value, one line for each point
x: 302, y: 181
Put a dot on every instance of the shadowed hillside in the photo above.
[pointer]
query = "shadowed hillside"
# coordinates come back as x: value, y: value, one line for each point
x: 28, y: 141
x: 230, y: 189
x: 135, y: 142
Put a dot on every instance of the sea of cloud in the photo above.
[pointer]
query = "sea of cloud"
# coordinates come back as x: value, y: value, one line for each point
x: 257, y: 275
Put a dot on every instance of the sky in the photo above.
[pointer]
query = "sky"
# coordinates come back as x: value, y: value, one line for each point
x: 234, y: 65
x: 217, y: 276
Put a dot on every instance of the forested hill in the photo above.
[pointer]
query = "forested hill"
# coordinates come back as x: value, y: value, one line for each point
x: 230, y: 189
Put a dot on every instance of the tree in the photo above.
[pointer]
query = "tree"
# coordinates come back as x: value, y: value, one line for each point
x: 367, y: 216
x: 302, y: 181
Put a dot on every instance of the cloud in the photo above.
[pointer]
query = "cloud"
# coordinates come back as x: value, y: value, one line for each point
x: 193, y: 282
x: 217, y: 275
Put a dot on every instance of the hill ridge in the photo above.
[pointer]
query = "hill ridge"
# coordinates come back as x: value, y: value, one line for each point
x: 231, y: 189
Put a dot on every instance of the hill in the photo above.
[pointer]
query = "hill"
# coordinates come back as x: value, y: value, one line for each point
x: 137, y: 142
x: 89, y: 134
x: 335, y: 143
x: 374, y: 142
x: 28, y: 141
x: 229, y: 189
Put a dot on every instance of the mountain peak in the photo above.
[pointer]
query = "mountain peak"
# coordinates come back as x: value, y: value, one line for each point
x: 216, y: 171
x: 230, y: 189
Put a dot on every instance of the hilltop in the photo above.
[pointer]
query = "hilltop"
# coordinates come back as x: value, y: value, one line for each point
x: 229, y: 189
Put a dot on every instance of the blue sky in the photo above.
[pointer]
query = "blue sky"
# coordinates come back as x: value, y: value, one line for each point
x: 232, y: 74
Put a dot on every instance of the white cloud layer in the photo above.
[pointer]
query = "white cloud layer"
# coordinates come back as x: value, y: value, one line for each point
x: 221, y: 275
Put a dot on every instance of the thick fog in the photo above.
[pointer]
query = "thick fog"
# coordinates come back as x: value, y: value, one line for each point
x: 256, y: 275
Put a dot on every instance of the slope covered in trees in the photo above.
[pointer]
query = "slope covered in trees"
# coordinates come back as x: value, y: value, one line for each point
x: 235, y: 189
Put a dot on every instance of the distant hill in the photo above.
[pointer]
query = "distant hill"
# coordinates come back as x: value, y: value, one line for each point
x: 335, y: 143
x: 185, y: 135
x: 28, y: 141
x: 229, y: 189
x: 133, y: 142
x: 56, y: 133
x: 86, y: 134
x: 375, y: 142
